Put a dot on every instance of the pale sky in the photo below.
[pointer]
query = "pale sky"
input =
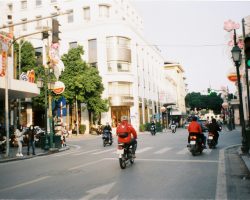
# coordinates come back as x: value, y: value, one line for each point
x: 191, y: 33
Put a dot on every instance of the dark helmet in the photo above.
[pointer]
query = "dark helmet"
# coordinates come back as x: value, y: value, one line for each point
x: 194, y: 118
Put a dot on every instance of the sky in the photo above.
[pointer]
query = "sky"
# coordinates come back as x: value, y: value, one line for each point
x: 192, y: 34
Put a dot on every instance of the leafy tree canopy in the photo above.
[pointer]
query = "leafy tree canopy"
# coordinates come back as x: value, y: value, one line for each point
x: 197, y: 100
x: 82, y: 81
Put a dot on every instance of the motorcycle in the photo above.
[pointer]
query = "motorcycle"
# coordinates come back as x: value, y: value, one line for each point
x: 3, y: 144
x: 106, y: 138
x: 173, y: 128
x: 39, y: 133
x: 125, y: 153
x: 153, y: 130
x: 195, y: 145
x: 211, y: 142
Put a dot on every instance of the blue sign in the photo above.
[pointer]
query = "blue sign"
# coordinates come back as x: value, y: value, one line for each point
x: 61, y: 107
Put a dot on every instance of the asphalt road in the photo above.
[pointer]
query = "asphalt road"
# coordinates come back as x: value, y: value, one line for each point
x: 163, y: 169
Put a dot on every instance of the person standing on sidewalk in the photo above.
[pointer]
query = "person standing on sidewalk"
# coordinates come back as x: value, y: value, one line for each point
x: 19, y: 137
x: 31, y: 140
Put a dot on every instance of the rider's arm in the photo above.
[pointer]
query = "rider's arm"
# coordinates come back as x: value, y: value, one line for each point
x: 133, y: 132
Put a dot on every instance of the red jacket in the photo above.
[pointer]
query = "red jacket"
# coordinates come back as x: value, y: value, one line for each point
x: 194, y: 127
x: 124, y: 125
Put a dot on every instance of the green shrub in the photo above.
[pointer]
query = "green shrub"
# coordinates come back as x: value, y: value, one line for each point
x: 82, y: 128
x: 142, y: 128
x: 158, y: 127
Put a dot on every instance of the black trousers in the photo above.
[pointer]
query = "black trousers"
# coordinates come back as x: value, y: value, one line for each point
x: 133, y: 143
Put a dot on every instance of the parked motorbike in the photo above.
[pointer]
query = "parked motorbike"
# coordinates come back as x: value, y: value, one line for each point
x: 106, y: 138
x: 2, y: 144
x: 39, y: 132
x: 195, y: 145
x: 153, y: 130
x: 125, y: 154
x: 173, y: 128
x: 211, y: 142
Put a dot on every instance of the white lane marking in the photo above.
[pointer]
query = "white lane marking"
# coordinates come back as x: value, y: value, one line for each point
x: 162, y: 150
x: 24, y: 184
x: 183, y: 151
x: 169, y: 160
x: 85, y: 152
x: 207, y: 151
x: 104, y: 151
x: 221, y: 186
x: 143, y: 150
x: 85, y: 165
x: 104, y: 189
x: 77, y: 147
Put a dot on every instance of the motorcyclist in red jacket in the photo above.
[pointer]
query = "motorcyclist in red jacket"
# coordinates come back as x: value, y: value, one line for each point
x: 194, y: 128
x: 126, y: 133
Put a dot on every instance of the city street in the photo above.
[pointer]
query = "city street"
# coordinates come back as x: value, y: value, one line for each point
x: 163, y: 169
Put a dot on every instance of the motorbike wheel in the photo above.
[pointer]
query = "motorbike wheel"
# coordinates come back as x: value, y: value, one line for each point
x: 122, y: 163
x: 104, y: 143
x: 132, y: 160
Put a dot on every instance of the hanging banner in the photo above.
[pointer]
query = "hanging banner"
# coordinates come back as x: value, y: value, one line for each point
x: 55, y: 61
x: 3, y: 63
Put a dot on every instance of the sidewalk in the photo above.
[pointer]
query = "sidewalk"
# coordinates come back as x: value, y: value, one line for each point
x: 38, y: 151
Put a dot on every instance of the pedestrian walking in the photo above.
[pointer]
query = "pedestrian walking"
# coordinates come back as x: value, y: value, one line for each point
x: 31, y: 140
x: 19, y: 137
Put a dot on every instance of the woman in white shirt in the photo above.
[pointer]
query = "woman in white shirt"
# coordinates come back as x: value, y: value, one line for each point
x: 19, y: 137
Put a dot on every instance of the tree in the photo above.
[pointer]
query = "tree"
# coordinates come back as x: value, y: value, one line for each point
x: 82, y: 82
x: 197, y: 100
x: 28, y: 57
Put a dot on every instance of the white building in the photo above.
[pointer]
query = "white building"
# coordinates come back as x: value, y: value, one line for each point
x: 174, y: 74
x: 111, y: 33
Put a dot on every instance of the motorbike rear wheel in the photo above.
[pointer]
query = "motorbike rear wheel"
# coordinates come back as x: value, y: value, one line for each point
x: 122, y: 162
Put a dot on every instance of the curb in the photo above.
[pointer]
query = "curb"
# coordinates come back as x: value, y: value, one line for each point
x: 52, y: 151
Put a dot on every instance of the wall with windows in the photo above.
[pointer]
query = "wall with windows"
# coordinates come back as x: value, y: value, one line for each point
x: 111, y: 33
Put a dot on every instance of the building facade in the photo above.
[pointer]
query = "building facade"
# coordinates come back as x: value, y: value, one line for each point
x: 111, y: 32
x: 174, y: 75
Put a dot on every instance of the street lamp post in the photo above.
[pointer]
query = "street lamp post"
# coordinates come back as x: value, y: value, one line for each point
x: 19, y: 73
x: 237, y: 57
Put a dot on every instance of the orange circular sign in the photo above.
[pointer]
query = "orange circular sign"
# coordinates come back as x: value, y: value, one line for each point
x: 232, y: 77
x: 59, y: 87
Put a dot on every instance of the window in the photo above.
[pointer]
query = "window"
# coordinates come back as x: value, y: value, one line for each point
x: 24, y: 26
x: 39, y: 55
x: 10, y: 7
x: 24, y: 5
x: 120, y: 88
x: 72, y: 45
x: 114, y: 66
x: 38, y: 3
x: 70, y: 16
x: 104, y: 10
x: 86, y: 13
x: 39, y: 22
x: 92, y: 44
